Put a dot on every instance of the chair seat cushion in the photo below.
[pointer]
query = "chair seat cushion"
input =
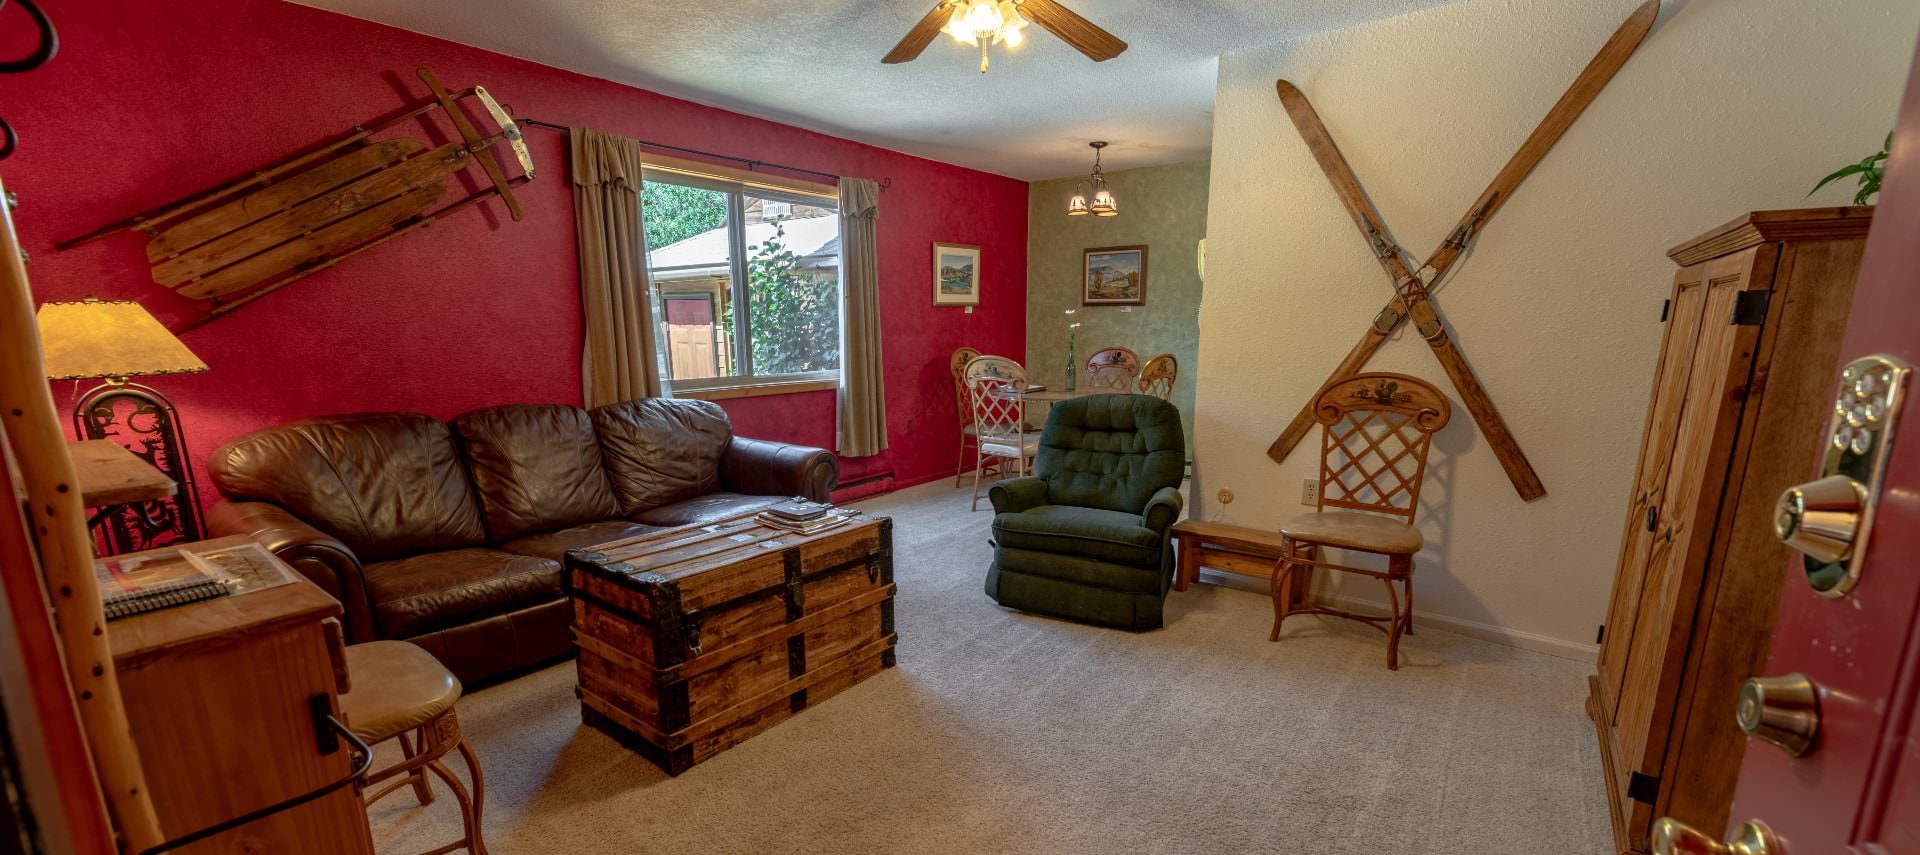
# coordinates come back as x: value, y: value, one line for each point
x: 435, y: 590
x: 554, y: 544
x: 701, y: 510
x: 396, y: 687
x: 1355, y: 530
x: 1120, y: 538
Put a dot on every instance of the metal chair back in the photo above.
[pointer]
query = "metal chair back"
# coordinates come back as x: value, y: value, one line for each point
x: 1113, y: 368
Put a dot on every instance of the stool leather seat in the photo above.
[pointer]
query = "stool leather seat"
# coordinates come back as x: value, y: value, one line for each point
x: 396, y: 687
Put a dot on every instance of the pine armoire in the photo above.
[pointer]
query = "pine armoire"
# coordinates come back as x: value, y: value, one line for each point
x: 1743, y: 385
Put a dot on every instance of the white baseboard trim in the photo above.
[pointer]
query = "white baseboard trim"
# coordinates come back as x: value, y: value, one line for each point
x: 1556, y: 647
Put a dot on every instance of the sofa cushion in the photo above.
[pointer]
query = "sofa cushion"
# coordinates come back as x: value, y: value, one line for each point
x: 705, y: 509
x: 436, y: 590
x: 536, y: 467
x: 1095, y: 533
x: 384, y: 484
x: 660, y: 450
x: 554, y: 544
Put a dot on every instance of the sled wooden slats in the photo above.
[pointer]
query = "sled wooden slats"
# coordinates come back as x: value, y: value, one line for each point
x: 694, y: 639
x: 332, y: 211
x: 253, y: 235
x: 197, y: 231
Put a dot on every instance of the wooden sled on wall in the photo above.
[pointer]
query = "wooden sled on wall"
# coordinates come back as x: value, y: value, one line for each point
x: 247, y: 238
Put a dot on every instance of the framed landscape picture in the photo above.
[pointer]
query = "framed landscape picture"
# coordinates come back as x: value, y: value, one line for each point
x: 1115, y: 276
x: 956, y: 274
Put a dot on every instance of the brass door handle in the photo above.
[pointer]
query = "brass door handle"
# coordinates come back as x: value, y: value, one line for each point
x: 1673, y: 837
x: 1781, y: 711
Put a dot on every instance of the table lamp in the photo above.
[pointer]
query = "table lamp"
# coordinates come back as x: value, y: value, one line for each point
x: 111, y: 341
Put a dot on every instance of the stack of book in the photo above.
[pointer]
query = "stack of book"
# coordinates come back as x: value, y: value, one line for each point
x: 801, y: 516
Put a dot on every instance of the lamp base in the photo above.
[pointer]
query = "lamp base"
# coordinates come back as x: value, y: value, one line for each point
x: 142, y: 421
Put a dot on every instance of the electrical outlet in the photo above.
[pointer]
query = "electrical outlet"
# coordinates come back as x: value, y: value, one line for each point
x: 1309, y: 492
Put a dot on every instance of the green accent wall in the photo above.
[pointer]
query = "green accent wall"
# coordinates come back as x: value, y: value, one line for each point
x: 1162, y: 207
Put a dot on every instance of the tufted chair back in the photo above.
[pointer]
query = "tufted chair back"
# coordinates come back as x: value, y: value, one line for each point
x: 1111, y: 451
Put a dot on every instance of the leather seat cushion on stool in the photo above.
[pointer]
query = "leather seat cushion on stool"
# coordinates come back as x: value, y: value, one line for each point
x: 1355, y: 530
x: 397, y: 687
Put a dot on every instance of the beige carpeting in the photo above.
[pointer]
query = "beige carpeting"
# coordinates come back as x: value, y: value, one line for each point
x: 1005, y: 732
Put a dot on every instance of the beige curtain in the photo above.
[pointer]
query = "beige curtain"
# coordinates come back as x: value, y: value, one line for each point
x: 863, y: 395
x: 618, y: 362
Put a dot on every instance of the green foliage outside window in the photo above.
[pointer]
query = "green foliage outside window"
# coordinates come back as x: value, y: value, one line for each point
x: 672, y: 213
x: 795, y: 313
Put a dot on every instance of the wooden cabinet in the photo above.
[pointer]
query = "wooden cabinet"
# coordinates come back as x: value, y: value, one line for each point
x: 1753, y: 330
x: 218, y: 694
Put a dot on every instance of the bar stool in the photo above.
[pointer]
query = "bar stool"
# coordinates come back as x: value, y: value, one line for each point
x: 399, y: 691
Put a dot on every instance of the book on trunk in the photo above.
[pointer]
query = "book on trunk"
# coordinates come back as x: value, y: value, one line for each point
x: 145, y: 582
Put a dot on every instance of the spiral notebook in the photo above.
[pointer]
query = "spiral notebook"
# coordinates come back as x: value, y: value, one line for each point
x: 139, y: 584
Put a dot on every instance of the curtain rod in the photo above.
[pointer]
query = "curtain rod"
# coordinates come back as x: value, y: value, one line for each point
x: 751, y: 163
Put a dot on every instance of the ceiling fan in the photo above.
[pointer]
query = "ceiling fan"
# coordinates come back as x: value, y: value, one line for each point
x: 985, y: 22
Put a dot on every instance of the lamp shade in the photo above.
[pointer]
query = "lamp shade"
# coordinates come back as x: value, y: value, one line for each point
x: 109, y: 338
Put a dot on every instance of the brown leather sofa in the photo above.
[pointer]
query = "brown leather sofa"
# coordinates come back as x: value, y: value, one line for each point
x: 451, y: 535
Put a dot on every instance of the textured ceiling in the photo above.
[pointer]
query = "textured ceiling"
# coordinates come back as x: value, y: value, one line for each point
x: 816, y: 64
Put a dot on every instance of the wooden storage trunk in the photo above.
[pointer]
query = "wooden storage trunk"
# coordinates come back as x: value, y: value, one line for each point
x: 694, y: 639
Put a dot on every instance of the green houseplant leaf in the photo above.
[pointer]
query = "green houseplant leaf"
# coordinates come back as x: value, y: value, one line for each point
x: 1870, y: 169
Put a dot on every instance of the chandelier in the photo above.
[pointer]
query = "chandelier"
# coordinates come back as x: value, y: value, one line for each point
x: 1102, y: 204
x: 985, y: 22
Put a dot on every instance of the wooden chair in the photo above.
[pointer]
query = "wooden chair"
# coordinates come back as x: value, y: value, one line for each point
x: 1377, y: 428
x: 997, y: 394
x: 957, y: 366
x: 1157, y: 376
x: 1113, y: 369
x: 400, y: 692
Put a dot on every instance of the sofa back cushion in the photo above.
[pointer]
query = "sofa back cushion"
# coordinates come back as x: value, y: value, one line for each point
x: 385, y: 484
x: 660, y: 450
x: 1111, y: 451
x: 536, y: 468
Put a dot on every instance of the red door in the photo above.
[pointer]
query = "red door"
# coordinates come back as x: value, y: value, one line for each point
x: 1844, y: 675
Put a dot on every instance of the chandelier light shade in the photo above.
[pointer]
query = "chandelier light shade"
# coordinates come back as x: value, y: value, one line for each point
x: 1094, y: 188
x: 986, y: 22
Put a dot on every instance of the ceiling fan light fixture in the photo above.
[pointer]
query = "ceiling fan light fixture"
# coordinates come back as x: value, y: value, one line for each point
x: 979, y: 23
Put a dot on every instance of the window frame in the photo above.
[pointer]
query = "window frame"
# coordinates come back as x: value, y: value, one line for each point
x: 738, y: 385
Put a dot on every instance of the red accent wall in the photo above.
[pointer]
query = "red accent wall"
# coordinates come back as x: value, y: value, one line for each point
x: 148, y: 102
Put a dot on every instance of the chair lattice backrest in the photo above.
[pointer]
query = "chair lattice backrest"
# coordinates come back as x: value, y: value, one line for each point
x: 996, y: 390
x: 957, y: 366
x: 1158, y: 375
x: 1378, y: 429
x: 1113, y: 368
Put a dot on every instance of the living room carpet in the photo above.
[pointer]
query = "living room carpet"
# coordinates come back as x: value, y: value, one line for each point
x: 1006, y: 732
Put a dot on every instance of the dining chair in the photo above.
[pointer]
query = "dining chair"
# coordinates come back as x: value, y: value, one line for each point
x: 957, y: 367
x: 1376, y: 431
x: 996, y: 389
x: 1158, y: 375
x: 1112, y: 369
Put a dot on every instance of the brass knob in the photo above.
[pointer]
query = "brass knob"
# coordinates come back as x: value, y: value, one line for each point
x: 1821, y: 518
x: 1781, y: 711
x: 1673, y: 837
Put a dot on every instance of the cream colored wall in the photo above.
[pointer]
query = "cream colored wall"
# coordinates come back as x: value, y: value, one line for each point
x: 1730, y: 105
x: 1162, y: 207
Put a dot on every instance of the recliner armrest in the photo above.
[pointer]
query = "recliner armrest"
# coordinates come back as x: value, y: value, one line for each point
x: 1019, y: 494
x: 1163, y: 509
x: 318, y: 556
x: 758, y: 467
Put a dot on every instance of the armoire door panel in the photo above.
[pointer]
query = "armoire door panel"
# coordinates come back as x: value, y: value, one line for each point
x: 1684, y: 312
x: 1687, y: 513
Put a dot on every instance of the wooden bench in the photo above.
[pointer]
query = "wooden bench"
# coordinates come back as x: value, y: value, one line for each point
x: 1232, y: 549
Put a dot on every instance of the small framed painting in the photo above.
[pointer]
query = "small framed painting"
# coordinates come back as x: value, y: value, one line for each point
x: 1115, y: 276
x: 956, y: 274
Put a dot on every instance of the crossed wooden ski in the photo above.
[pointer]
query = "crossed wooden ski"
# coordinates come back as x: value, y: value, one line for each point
x: 1411, y: 298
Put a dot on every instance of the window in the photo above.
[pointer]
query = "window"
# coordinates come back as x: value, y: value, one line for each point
x: 747, y: 280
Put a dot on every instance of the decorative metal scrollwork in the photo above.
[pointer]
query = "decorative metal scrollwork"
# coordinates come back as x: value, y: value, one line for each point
x: 47, y: 45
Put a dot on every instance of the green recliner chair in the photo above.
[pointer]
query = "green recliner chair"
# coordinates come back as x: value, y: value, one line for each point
x: 1085, y: 538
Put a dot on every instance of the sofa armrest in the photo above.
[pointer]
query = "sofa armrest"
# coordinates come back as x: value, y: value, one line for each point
x: 758, y: 467
x: 317, y: 555
x: 1163, y: 509
x: 1018, y: 494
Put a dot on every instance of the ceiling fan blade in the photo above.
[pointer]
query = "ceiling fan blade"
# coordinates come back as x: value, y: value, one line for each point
x: 922, y: 34
x: 1098, y: 44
